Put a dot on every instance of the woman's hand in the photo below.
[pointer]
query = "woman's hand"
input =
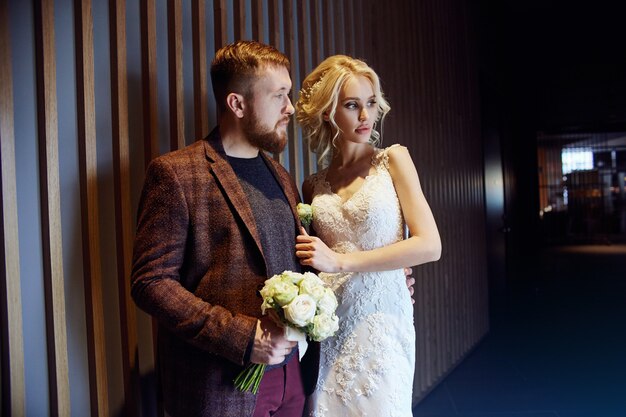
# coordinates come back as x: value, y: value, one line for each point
x: 311, y: 251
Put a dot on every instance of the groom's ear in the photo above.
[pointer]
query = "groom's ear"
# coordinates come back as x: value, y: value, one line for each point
x: 236, y: 104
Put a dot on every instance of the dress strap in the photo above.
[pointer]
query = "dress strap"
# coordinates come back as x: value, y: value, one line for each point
x: 382, y: 156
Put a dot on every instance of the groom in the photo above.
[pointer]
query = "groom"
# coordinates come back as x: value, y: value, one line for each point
x: 215, y: 220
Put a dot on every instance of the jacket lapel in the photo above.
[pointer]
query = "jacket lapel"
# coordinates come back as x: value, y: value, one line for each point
x: 233, y: 191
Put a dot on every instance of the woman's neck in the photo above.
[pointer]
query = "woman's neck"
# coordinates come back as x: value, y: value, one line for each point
x: 348, y: 153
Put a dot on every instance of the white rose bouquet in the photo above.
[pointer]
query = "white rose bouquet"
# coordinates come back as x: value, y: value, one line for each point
x: 304, y: 306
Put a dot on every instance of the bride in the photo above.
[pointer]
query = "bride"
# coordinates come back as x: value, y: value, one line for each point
x: 362, y: 202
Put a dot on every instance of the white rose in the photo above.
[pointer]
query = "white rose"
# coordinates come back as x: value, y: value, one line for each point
x: 279, y: 289
x: 294, y: 277
x: 285, y: 292
x: 313, y: 286
x: 323, y: 326
x: 311, y: 275
x: 268, y: 288
x: 267, y: 293
x: 327, y: 304
x: 305, y: 213
x: 301, y: 310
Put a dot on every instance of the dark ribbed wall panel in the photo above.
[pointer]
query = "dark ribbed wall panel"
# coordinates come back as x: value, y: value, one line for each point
x: 424, y: 53
x: 430, y: 79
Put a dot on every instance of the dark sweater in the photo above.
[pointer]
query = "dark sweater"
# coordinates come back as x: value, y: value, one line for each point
x: 273, y: 218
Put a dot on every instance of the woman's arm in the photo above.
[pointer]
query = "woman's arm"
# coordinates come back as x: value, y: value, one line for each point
x: 422, y: 246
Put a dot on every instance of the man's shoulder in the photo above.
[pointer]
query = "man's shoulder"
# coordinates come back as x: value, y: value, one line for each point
x: 199, y: 150
x: 194, y: 150
x: 184, y: 158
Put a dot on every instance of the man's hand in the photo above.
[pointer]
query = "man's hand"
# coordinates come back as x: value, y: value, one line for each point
x: 270, y: 345
x: 410, y: 281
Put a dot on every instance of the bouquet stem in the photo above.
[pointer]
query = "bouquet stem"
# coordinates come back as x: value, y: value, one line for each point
x: 250, y: 378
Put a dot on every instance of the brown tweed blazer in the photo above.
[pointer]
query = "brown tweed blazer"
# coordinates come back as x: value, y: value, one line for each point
x: 197, y: 266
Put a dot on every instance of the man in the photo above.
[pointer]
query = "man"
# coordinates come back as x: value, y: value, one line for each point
x: 216, y: 219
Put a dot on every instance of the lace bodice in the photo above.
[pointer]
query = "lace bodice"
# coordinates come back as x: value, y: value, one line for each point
x: 367, y: 368
x: 361, y: 222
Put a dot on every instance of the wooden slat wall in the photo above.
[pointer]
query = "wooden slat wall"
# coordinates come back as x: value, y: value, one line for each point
x: 47, y: 129
x: 88, y: 163
x: 200, y: 98
x: 123, y: 210
x: 424, y: 53
x: 149, y: 79
x: 175, y: 60
x: 12, y: 359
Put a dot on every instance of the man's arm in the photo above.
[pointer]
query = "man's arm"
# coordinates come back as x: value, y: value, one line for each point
x: 159, y: 250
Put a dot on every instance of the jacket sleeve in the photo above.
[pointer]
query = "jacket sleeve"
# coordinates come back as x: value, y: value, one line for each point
x: 158, y: 254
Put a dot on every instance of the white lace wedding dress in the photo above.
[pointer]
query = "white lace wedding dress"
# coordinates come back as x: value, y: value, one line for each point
x: 367, y: 368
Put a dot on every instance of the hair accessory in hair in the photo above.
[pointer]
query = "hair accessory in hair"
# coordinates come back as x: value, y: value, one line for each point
x: 308, y: 92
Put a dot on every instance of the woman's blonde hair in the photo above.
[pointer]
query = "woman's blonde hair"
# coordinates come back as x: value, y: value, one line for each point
x: 320, y: 94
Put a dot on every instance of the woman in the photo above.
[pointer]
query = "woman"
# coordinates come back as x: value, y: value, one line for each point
x: 361, y: 202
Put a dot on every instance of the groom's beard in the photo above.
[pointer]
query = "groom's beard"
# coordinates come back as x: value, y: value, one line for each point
x: 267, y: 139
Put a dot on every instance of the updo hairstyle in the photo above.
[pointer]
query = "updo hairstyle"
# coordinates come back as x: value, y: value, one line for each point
x: 320, y: 95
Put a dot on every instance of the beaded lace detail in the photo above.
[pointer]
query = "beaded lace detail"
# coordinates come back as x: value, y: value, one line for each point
x: 367, y: 368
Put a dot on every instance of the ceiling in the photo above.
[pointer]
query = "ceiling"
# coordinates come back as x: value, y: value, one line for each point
x: 563, y: 62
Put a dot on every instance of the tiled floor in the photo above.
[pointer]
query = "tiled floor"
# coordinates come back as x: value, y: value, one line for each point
x: 557, y: 348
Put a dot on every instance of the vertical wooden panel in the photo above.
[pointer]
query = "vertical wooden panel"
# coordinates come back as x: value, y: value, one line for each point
x: 13, y: 388
x: 290, y: 52
x: 150, y: 109
x: 47, y: 130
x: 239, y: 15
x: 315, y: 34
x: 200, y: 97
x: 123, y: 211
x: 275, y: 36
x: 360, y: 30
x: 274, y: 28
x: 89, y: 207
x: 175, y: 67
x: 299, y: 148
x: 329, y: 38
x: 220, y: 22
x: 348, y: 27
x: 149, y: 79
x: 257, y: 20
x: 357, y: 35
x: 338, y: 30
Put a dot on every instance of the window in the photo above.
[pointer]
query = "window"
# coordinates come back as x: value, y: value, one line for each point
x: 576, y: 159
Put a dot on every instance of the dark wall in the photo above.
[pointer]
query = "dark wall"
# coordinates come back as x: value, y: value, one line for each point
x: 551, y: 66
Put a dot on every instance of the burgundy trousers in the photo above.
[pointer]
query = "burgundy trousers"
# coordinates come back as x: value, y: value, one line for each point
x: 281, y: 393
